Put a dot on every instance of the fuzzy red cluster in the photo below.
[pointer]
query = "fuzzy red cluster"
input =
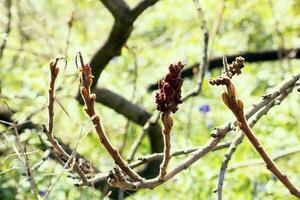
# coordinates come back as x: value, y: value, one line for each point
x: 169, y: 95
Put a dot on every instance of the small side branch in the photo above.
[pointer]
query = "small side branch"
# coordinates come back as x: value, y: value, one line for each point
x: 89, y: 101
x: 236, y: 106
x: 141, y: 7
x: 239, y: 138
x: 116, y: 7
x: 168, y: 124
x: 49, y: 130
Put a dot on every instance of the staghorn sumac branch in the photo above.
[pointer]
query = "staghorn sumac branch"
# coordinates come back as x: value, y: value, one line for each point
x: 237, y: 108
x: 49, y: 130
x: 167, y: 99
x: 217, y: 135
x: 86, y: 79
x: 239, y: 139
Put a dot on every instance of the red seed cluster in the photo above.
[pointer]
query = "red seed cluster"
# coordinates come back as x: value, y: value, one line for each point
x: 169, y: 95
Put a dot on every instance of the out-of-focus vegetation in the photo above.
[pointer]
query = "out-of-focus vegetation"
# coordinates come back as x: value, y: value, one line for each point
x: 166, y: 33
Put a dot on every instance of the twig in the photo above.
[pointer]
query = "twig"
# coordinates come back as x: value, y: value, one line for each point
x: 168, y: 124
x: 89, y: 101
x: 156, y: 156
x: 70, y: 25
x: 24, y: 154
x: 216, y: 28
x: 29, y: 173
x: 152, y: 120
x: 72, y: 159
x: 44, y: 158
x: 218, y: 134
x: 49, y: 130
x: 239, y: 138
x: 133, y: 94
x: 277, y: 156
x: 205, y: 62
x: 236, y: 106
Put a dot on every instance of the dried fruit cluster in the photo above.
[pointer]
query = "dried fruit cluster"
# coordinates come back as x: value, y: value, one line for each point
x: 221, y: 80
x: 236, y: 66
x: 233, y: 69
x: 169, y: 95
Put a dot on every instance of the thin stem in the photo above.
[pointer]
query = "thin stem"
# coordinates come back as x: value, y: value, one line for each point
x: 168, y: 123
x: 239, y: 138
x: 236, y: 106
x: 49, y: 130
x: 89, y: 101
x: 269, y: 162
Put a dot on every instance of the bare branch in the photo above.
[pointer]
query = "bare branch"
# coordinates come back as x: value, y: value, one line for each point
x: 250, y: 56
x: 116, y: 7
x: 275, y: 157
x: 29, y: 173
x: 239, y: 138
x: 141, y: 7
x: 168, y: 124
x: 218, y: 134
x: 204, y: 65
x: 236, y: 106
x: 89, y: 100
x: 49, y: 130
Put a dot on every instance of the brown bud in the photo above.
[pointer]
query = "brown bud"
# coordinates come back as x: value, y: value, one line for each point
x: 225, y: 98
x: 239, y: 124
x: 83, y: 91
x: 231, y: 89
x: 93, y: 97
x: 240, y: 104
x: 167, y: 121
x: 52, y: 63
x: 56, y: 71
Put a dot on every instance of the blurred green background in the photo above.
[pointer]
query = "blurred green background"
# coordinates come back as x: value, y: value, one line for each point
x: 165, y: 33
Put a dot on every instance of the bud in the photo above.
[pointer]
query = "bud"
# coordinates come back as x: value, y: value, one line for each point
x: 240, y: 104
x: 231, y: 89
x: 225, y: 98
x: 83, y: 91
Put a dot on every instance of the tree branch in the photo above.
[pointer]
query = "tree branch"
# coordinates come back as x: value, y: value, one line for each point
x: 239, y: 138
x: 217, y: 135
x: 116, y: 7
x: 119, y: 34
x: 133, y: 112
x: 251, y: 57
x: 141, y: 7
x: 236, y: 106
x: 49, y: 130
x: 89, y: 101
